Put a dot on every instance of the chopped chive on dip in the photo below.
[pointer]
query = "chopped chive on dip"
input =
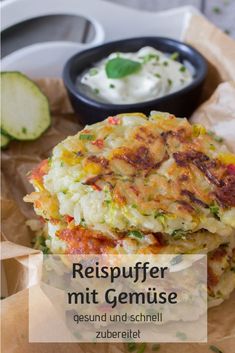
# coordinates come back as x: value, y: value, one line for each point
x: 93, y: 71
x: 169, y: 82
x: 149, y: 57
x: 136, y: 233
x: 96, y: 91
x: 174, y: 56
x: 183, y: 68
x: 86, y: 137
x: 158, y: 75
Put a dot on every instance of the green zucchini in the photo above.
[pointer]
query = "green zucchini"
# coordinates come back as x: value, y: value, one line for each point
x: 25, y: 112
x: 4, y: 140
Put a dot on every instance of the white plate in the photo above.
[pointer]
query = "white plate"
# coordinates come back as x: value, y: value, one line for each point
x: 110, y: 22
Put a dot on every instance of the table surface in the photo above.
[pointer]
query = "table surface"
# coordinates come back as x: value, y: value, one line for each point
x: 220, y: 12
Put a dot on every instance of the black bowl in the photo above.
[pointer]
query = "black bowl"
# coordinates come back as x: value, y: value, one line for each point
x: 181, y: 103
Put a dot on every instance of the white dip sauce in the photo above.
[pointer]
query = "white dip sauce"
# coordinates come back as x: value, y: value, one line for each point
x: 156, y: 75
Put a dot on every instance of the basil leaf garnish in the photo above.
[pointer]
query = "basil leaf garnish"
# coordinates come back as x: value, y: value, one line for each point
x: 121, y: 67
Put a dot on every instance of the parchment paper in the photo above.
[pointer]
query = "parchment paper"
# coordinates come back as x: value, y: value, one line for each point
x: 218, y: 114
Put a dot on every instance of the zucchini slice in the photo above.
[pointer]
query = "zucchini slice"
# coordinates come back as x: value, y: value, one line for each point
x: 25, y: 113
x: 4, y: 140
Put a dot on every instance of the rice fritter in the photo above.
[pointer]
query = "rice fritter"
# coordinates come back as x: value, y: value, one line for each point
x: 132, y: 184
